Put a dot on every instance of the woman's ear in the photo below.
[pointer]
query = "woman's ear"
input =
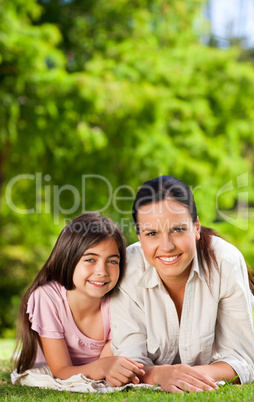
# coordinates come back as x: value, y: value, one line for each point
x: 198, y: 229
x: 139, y: 237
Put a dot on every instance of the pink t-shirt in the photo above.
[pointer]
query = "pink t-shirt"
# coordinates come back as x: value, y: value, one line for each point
x: 51, y: 317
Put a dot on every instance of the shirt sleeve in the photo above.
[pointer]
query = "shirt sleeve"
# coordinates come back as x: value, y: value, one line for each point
x: 234, y: 339
x: 43, y: 311
x: 105, y: 309
x: 129, y: 335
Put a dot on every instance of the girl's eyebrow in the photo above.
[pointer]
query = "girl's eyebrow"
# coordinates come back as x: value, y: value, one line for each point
x: 114, y: 255
x: 97, y: 255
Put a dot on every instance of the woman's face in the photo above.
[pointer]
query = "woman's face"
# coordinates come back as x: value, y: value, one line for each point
x: 168, y: 238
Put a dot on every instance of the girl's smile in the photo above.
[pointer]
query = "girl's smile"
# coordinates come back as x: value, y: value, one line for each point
x: 97, y: 283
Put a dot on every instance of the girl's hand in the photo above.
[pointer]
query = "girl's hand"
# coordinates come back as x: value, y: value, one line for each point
x: 178, y: 378
x: 121, y: 370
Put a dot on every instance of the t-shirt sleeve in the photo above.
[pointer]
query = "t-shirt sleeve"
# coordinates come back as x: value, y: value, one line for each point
x: 43, y: 310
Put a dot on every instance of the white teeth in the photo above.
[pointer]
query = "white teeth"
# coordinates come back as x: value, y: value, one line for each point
x: 169, y: 259
x: 97, y: 283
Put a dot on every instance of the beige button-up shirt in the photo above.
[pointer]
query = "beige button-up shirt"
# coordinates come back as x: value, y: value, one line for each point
x: 216, y: 323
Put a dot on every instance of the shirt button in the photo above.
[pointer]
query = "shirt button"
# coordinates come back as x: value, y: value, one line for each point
x: 184, y: 349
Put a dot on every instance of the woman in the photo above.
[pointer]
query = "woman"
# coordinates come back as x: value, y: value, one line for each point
x: 184, y: 307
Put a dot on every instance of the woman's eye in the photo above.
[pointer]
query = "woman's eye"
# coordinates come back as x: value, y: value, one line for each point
x: 89, y: 260
x: 178, y: 230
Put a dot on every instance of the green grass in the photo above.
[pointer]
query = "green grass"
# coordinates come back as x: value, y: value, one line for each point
x: 6, y: 348
x: 9, y: 392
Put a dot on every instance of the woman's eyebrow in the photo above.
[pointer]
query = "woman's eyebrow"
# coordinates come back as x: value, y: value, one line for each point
x: 176, y: 225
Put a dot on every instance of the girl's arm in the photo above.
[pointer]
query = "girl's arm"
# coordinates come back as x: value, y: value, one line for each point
x: 106, y: 351
x: 116, y: 370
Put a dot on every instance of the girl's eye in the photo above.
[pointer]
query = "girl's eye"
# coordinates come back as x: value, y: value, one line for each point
x: 89, y: 260
x: 151, y: 234
x: 115, y: 262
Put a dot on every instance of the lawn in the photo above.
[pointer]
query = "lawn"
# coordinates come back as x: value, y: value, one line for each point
x: 9, y: 392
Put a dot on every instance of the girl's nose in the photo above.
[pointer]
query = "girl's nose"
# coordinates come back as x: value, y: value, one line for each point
x: 101, y: 269
x: 166, y: 243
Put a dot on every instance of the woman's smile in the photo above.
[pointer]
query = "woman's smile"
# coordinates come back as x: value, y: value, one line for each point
x: 168, y: 238
x: 168, y: 260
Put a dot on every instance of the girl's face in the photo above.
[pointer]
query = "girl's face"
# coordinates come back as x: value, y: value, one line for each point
x: 97, y: 271
x: 168, y: 238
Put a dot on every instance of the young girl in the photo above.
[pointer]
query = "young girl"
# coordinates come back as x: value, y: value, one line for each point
x: 186, y: 296
x: 64, y: 315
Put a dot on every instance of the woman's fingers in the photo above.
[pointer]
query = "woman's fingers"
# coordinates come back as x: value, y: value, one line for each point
x: 182, y: 377
x: 203, y: 379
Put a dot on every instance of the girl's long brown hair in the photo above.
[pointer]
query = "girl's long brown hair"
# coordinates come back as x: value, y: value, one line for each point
x: 83, y: 232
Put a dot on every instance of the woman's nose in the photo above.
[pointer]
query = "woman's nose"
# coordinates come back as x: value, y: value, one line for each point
x: 166, y: 243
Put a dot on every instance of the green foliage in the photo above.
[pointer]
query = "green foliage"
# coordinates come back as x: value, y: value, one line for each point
x: 122, y: 91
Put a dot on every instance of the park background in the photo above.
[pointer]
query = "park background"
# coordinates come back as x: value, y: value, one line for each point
x: 98, y: 96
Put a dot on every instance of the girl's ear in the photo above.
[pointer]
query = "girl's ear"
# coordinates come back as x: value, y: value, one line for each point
x: 198, y: 228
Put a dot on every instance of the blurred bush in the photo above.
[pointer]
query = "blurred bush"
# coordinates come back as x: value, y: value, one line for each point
x: 95, y: 98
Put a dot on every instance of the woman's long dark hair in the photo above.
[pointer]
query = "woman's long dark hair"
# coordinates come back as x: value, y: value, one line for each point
x: 168, y: 187
x: 83, y: 232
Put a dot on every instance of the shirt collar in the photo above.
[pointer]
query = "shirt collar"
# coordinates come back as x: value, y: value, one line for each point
x: 196, y: 268
x: 150, y: 278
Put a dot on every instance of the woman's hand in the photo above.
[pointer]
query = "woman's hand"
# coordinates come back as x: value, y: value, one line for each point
x: 120, y: 370
x: 178, y: 378
x: 219, y: 371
